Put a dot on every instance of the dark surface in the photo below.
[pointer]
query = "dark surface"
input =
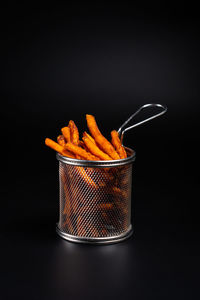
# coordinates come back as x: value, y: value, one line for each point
x: 60, y: 63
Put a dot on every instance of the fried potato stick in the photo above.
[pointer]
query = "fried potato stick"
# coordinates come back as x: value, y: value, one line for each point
x: 80, y: 171
x: 66, y: 132
x: 94, y: 149
x: 85, y: 134
x: 80, y: 151
x: 102, y: 142
x: 61, y: 140
x: 83, y: 145
x: 58, y: 148
x: 117, y: 144
x: 74, y: 134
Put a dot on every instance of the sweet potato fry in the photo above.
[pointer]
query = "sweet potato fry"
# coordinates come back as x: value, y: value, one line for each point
x: 102, y: 142
x: 117, y: 144
x: 66, y: 132
x: 103, y: 177
x: 58, y: 148
x: 94, y: 149
x: 79, y: 151
x: 79, y: 192
x: 74, y: 134
x: 83, y: 145
x: 80, y: 171
x: 61, y: 140
x: 85, y: 134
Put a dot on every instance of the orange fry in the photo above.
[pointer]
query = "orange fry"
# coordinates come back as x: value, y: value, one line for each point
x: 61, y: 140
x: 85, y: 134
x: 117, y: 144
x: 80, y: 171
x: 58, y: 148
x: 83, y: 145
x: 95, y: 149
x: 74, y: 134
x: 103, y: 143
x: 80, y: 151
x: 66, y: 132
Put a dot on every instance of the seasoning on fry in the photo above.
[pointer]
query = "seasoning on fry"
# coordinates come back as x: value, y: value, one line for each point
x: 74, y: 134
x: 103, y: 143
x: 117, y: 144
x: 66, y: 132
x: 61, y: 140
x: 80, y: 151
x: 58, y: 148
x: 94, y: 149
x: 89, y: 136
x: 80, y: 171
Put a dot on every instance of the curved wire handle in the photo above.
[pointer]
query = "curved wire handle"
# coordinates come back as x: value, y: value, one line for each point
x: 121, y: 131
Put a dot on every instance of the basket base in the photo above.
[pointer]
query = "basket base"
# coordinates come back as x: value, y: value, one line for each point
x: 95, y: 241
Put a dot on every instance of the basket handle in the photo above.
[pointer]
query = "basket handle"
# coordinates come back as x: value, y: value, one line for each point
x: 122, y: 129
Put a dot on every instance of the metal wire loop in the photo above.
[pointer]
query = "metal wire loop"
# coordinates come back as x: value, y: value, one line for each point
x: 121, y: 131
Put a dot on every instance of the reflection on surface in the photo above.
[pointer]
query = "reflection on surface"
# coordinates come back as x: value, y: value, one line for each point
x: 78, y: 268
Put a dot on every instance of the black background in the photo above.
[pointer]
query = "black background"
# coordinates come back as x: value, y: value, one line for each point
x: 60, y: 62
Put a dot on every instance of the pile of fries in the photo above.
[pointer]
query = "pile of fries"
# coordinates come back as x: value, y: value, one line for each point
x: 94, y: 202
x: 91, y: 147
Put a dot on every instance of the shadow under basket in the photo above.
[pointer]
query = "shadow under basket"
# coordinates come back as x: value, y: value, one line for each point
x: 95, y: 199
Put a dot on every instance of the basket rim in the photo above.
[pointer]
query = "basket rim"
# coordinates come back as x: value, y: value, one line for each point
x: 98, y: 163
x: 96, y: 240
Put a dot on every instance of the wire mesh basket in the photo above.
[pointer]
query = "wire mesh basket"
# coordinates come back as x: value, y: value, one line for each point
x: 95, y: 199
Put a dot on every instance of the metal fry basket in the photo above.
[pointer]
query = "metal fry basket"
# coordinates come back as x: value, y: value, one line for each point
x: 95, y: 199
x: 95, y: 196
